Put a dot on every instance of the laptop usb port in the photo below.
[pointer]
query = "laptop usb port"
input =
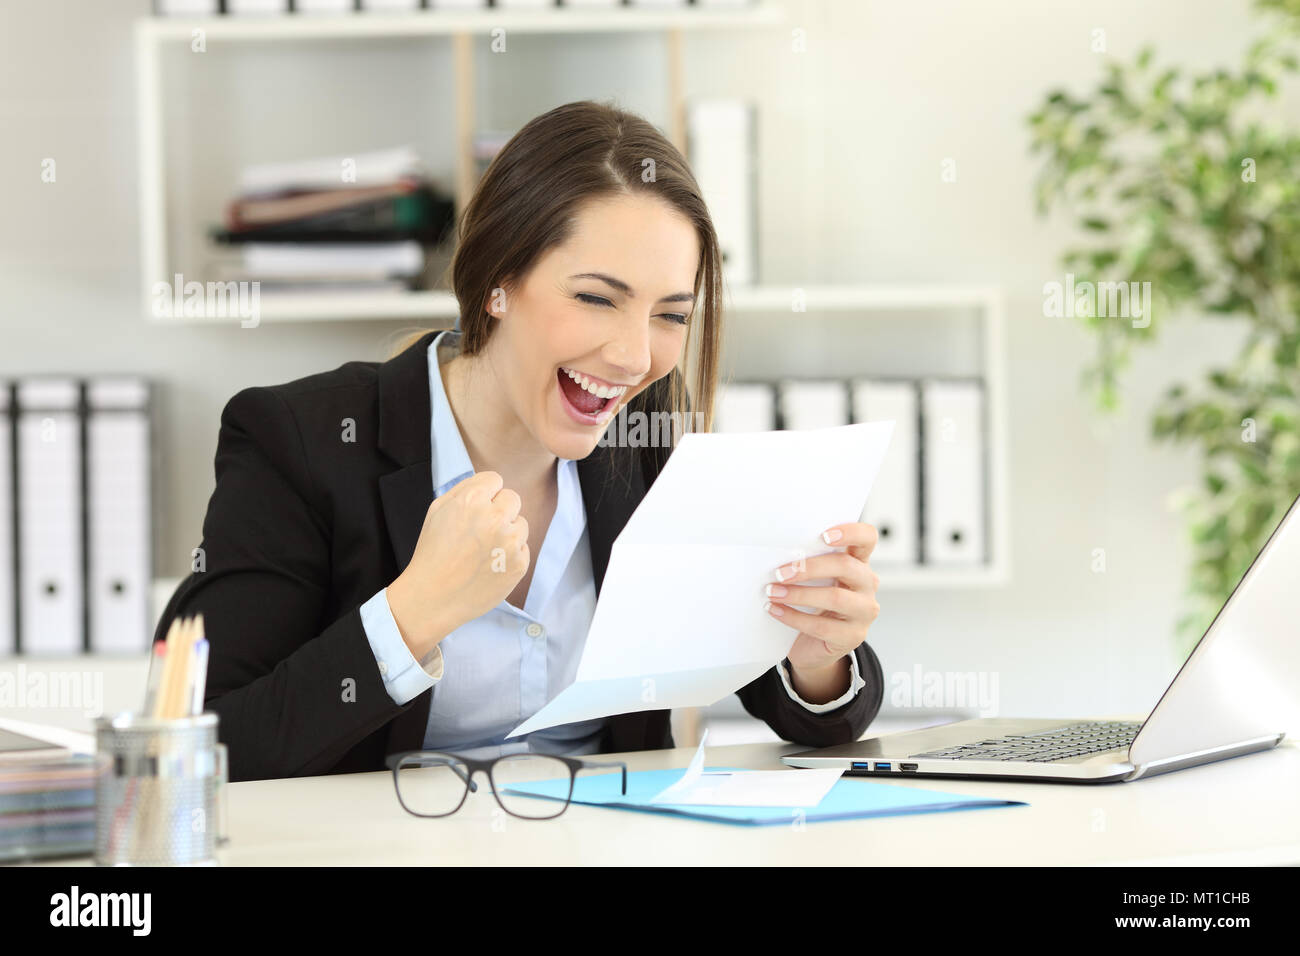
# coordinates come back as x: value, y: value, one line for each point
x: 907, y: 766
x: 882, y: 766
x: 861, y: 765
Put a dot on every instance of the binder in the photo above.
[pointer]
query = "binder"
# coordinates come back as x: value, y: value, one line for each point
x: 720, y: 141
x: 8, y: 546
x: 745, y: 407
x: 256, y: 7
x: 51, y: 605
x: 187, y: 8
x: 813, y: 404
x: 323, y: 6
x: 953, y: 480
x: 118, y: 515
x: 893, y: 507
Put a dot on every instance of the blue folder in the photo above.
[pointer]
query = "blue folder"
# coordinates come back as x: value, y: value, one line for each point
x: 850, y: 797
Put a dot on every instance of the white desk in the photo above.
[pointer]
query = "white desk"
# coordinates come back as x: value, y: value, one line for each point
x: 1235, y: 812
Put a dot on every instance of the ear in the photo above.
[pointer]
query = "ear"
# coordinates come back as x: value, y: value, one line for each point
x: 497, y: 304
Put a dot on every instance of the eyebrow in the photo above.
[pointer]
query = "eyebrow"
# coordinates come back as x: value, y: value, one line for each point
x: 626, y: 289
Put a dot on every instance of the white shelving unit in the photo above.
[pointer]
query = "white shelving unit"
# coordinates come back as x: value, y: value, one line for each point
x: 869, y: 303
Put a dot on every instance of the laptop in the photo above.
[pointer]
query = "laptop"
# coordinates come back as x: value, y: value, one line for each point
x: 1232, y: 696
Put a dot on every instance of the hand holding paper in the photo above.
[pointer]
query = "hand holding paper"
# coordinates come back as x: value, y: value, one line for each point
x: 680, y: 620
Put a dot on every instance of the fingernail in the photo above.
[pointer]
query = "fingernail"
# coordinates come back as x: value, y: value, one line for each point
x: 830, y: 537
x: 777, y: 590
x: 779, y: 575
x: 771, y: 608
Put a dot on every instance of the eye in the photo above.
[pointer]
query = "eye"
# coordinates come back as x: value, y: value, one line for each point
x: 592, y: 299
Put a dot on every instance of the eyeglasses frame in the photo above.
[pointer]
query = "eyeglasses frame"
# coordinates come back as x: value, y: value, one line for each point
x: 473, y: 766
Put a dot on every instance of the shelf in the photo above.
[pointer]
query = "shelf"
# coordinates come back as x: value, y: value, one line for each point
x: 433, y: 306
x: 779, y: 298
x: 447, y: 22
x: 440, y: 305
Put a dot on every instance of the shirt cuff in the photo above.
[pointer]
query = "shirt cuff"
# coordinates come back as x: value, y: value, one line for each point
x: 404, y: 678
x: 856, y: 683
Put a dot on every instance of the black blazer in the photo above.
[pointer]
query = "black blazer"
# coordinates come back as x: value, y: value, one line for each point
x: 304, y: 527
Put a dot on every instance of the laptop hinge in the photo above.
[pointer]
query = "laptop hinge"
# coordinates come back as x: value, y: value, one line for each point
x: 1153, y: 767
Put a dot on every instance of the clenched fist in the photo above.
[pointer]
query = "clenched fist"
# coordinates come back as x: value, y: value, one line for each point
x: 473, y: 550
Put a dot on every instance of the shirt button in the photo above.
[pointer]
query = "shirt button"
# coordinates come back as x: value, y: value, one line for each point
x: 383, y: 668
x: 534, y: 630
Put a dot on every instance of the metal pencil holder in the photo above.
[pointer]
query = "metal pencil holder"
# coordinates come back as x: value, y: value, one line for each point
x: 159, y: 791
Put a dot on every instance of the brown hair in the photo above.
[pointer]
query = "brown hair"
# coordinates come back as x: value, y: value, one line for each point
x: 525, y: 204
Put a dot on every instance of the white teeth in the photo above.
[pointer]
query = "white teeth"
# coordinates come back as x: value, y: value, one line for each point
x: 600, y: 391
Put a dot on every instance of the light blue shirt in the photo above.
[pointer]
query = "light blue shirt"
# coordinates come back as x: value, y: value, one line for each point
x: 494, y: 672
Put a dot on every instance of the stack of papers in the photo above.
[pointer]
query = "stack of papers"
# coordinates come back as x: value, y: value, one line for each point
x: 47, y: 794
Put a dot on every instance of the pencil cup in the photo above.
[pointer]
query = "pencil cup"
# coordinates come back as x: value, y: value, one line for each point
x: 160, y: 791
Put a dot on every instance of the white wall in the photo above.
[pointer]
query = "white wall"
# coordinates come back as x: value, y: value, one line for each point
x: 852, y: 134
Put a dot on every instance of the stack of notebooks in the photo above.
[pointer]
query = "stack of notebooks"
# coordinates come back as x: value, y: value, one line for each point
x: 47, y: 799
x: 348, y: 223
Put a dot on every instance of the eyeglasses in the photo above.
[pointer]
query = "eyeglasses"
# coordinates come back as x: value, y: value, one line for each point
x: 433, y: 784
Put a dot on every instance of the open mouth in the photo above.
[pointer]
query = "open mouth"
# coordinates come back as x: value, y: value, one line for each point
x: 584, y: 406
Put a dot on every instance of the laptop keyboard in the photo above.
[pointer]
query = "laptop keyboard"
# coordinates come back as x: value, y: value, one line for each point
x: 1059, y: 743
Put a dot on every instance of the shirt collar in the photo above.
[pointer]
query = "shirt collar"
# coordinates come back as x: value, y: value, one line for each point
x: 450, y: 459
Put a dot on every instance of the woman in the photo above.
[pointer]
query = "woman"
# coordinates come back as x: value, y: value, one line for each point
x: 406, y: 555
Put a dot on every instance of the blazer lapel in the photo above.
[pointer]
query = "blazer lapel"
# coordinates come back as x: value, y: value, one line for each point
x: 611, y: 490
x: 611, y: 482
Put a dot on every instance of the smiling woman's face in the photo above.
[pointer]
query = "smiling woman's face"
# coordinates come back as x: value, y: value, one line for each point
x: 609, y: 304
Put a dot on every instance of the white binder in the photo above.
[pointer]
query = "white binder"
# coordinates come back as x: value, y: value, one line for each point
x: 720, y: 138
x: 323, y: 6
x: 51, y: 605
x: 953, y: 480
x: 744, y: 407
x: 256, y: 8
x: 893, y: 506
x: 8, y: 563
x: 187, y: 8
x: 118, y: 515
x: 813, y: 404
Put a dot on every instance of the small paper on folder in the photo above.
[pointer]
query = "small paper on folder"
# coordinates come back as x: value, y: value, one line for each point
x: 680, y: 620
x: 746, y: 788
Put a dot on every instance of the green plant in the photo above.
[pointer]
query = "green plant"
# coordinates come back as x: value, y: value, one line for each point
x: 1186, y: 181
